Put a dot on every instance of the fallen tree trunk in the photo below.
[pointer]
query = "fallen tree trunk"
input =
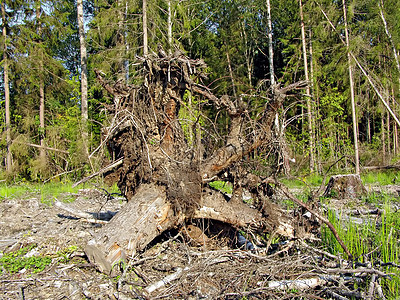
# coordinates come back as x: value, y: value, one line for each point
x: 164, y: 177
x: 149, y: 213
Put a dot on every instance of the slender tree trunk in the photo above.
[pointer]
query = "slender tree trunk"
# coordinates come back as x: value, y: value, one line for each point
x: 314, y: 119
x: 84, y: 83
x: 6, y: 90
x: 145, y: 40
x: 396, y: 57
x: 230, y: 71
x: 270, y: 47
x: 169, y: 24
x: 383, y: 137
x: 308, y: 94
x: 126, y: 62
x: 395, y: 136
x: 249, y: 54
x: 42, y: 150
x: 389, y: 149
x: 352, y: 96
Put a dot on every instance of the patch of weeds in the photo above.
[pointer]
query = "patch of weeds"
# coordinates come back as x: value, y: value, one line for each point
x: 375, y: 240
x: 374, y: 198
x: 16, y: 261
x: 66, y: 254
x: 222, y: 186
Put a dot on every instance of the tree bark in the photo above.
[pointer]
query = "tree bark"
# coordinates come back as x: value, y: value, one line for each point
x: 389, y: 35
x: 84, y: 83
x: 308, y: 94
x: 270, y: 47
x: 42, y: 129
x: 6, y: 90
x: 144, y: 20
x: 352, y: 96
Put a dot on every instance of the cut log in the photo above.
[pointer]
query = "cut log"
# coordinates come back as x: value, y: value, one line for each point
x: 345, y: 187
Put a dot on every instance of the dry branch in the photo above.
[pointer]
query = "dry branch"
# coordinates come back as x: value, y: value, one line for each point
x: 168, y: 279
x: 43, y: 147
x: 80, y: 214
x: 102, y: 171
x: 318, y: 216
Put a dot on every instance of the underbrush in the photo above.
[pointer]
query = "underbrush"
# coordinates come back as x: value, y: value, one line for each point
x: 21, y: 261
x: 376, y: 241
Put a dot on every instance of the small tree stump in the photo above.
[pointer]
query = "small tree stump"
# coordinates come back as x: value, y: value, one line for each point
x: 345, y: 187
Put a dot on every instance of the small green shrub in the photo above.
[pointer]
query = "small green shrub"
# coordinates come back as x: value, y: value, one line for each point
x: 16, y: 261
x: 66, y: 254
x: 222, y: 186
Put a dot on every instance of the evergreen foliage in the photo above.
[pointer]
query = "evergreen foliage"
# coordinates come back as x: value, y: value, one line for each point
x: 231, y: 36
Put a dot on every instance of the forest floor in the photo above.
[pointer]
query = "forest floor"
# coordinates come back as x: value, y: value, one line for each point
x: 54, y: 240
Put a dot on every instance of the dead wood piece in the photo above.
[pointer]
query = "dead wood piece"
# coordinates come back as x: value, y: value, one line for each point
x: 132, y: 228
x: 44, y: 147
x: 80, y: 214
x: 345, y: 187
x: 163, y: 177
x: 168, y: 279
x: 359, y: 271
x: 102, y: 171
x: 298, y: 284
x: 4, y: 243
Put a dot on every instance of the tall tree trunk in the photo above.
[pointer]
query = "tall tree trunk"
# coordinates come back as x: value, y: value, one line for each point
x: 230, y: 71
x: 270, y: 47
x: 314, y: 96
x: 352, y: 96
x: 169, y: 24
x: 395, y: 55
x: 389, y: 149
x: 6, y: 90
x: 383, y: 137
x: 42, y: 129
x: 395, y: 136
x: 126, y: 62
x: 84, y: 84
x: 308, y: 94
x: 145, y: 39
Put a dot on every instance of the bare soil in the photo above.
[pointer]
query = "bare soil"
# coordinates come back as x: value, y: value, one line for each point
x: 212, y: 270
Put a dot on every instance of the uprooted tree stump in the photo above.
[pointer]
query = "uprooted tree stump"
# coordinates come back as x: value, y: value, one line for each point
x: 164, y: 177
x: 347, y: 186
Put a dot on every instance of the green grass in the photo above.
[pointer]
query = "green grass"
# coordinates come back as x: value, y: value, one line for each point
x: 46, y: 192
x: 381, y: 178
x: 376, y: 240
x: 313, y: 180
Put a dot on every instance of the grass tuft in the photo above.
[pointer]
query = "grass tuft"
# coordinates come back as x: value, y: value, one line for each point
x: 376, y: 240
